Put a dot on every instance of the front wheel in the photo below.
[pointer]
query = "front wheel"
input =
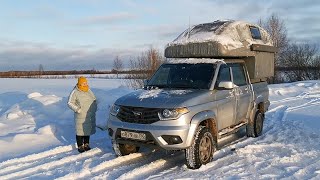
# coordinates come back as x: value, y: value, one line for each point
x: 124, y: 149
x: 202, y: 149
x: 255, y: 128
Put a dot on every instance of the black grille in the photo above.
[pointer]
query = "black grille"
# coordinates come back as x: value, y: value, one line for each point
x: 138, y: 115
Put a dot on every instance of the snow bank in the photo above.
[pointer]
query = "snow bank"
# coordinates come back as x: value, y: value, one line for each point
x: 26, y: 142
x: 45, y: 100
x: 14, y: 115
x: 34, y: 95
x: 43, y: 118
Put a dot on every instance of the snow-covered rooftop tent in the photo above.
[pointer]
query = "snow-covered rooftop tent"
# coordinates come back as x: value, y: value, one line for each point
x: 227, y: 39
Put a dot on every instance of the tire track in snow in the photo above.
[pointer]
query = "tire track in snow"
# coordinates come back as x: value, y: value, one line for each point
x: 77, y: 166
x: 23, y: 166
x: 153, y: 167
x: 50, y: 165
x: 273, y: 119
x: 277, y: 125
x: 225, y: 160
x: 120, y: 170
x: 304, y: 171
x: 222, y: 160
x: 104, y: 166
x: 313, y: 102
x: 284, y: 131
x: 307, y: 171
x: 18, y: 163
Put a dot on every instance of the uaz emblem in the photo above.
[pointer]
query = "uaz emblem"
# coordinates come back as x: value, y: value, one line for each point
x: 136, y: 113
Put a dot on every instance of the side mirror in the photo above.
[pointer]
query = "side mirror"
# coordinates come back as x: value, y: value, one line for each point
x: 226, y: 85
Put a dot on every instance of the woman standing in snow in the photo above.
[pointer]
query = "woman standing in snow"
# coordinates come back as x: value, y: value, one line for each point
x: 83, y: 102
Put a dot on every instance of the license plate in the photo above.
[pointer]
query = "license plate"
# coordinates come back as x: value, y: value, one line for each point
x: 133, y: 135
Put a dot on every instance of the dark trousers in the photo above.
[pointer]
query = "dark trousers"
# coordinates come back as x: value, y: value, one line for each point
x: 82, y: 140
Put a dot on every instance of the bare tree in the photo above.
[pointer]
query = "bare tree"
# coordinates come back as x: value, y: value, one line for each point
x: 117, y: 65
x: 316, y: 64
x: 144, y: 66
x: 277, y: 30
x: 301, y: 62
x: 276, y: 27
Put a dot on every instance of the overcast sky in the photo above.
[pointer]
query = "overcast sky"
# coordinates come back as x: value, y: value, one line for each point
x: 86, y: 34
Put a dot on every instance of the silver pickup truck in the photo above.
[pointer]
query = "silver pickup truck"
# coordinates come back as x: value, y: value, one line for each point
x: 195, y: 101
x: 189, y: 104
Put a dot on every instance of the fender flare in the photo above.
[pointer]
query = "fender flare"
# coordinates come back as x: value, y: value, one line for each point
x: 259, y: 100
x: 196, y: 120
x: 254, y: 110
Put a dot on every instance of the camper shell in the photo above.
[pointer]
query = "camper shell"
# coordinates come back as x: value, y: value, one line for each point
x: 228, y: 40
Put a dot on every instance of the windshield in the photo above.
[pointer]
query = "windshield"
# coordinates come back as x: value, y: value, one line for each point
x: 184, y: 76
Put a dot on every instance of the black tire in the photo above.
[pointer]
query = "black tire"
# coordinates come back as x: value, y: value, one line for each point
x: 202, y: 149
x: 124, y: 149
x: 255, y: 128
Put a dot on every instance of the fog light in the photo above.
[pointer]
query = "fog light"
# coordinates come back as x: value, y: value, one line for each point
x: 172, y: 139
x: 175, y: 139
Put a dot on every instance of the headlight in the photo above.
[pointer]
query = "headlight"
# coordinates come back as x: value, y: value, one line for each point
x: 114, y: 110
x: 171, y: 114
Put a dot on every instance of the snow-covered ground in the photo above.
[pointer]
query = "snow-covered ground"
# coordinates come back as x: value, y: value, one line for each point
x: 37, y: 138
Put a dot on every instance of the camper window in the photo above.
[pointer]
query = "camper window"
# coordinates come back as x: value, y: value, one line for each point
x: 255, y: 32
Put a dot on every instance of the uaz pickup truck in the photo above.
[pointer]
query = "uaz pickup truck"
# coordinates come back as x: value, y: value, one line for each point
x: 191, y: 103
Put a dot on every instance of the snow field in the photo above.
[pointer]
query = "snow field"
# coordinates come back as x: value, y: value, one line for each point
x: 37, y: 139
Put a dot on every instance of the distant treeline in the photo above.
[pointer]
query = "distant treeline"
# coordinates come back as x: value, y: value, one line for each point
x: 26, y: 74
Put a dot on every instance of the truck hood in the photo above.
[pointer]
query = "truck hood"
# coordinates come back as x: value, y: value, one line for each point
x: 161, y: 98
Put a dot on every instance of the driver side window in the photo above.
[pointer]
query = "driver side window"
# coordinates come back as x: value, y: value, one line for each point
x: 239, y: 77
x: 162, y: 77
x: 224, y: 74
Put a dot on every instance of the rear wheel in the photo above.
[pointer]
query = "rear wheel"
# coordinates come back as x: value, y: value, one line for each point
x: 255, y: 128
x: 202, y: 149
x: 124, y: 149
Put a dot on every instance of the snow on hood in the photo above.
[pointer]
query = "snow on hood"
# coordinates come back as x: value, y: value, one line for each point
x: 163, y: 98
x: 155, y: 93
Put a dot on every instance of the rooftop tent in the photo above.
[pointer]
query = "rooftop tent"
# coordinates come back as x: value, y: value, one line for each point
x: 227, y: 39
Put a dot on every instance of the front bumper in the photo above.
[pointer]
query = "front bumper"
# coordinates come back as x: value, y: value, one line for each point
x: 157, y: 133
